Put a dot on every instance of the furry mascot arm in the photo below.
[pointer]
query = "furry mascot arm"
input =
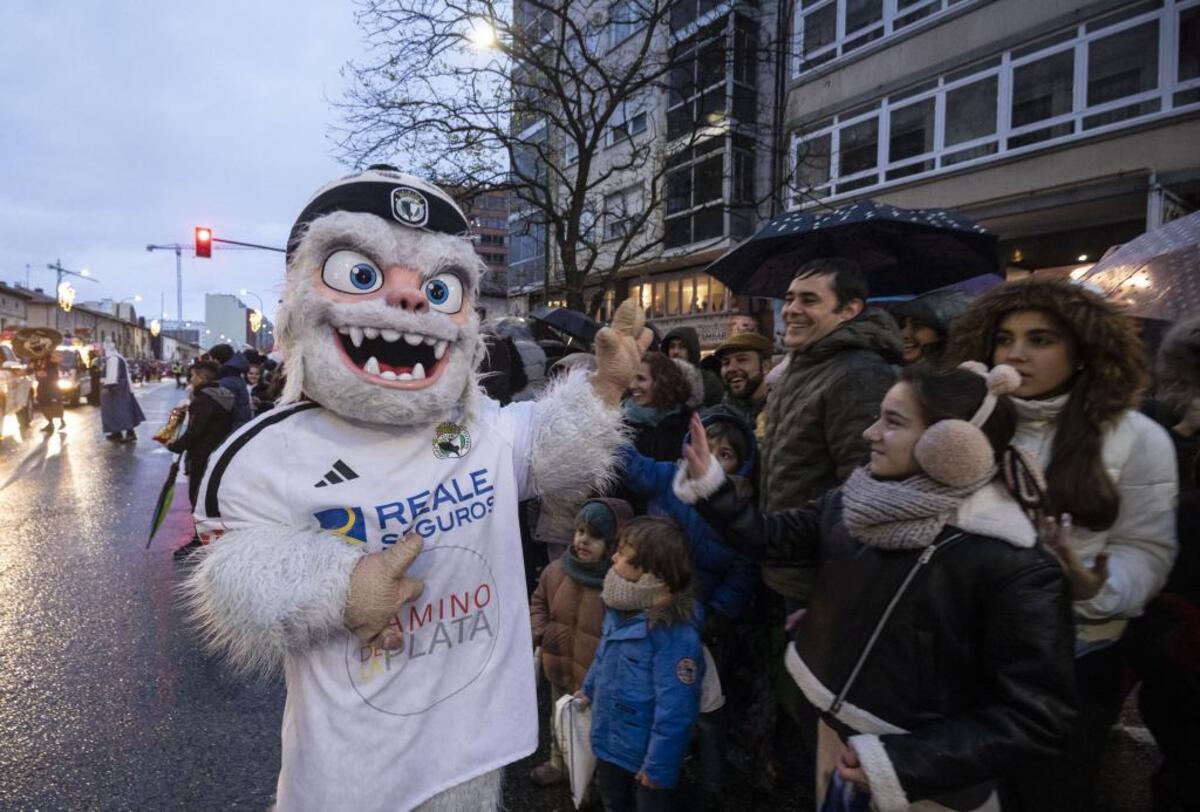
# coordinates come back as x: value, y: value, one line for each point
x: 260, y: 593
x: 576, y: 426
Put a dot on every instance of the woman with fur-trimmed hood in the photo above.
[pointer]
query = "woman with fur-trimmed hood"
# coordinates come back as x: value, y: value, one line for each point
x: 1110, y: 473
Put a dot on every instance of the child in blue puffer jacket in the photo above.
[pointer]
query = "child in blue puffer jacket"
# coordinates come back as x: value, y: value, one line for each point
x: 644, y: 684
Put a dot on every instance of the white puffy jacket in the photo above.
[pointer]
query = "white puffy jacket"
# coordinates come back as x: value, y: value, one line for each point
x: 1141, y: 544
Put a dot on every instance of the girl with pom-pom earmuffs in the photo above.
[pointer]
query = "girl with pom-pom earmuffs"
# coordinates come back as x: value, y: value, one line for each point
x: 937, y: 643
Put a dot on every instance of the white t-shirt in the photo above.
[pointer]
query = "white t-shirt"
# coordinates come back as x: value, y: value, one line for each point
x: 366, y: 729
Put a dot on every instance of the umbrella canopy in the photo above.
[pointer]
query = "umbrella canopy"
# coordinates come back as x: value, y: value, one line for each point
x: 570, y: 323
x: 165, y: 497
x: 1154, y: 276
x: 902, y: 251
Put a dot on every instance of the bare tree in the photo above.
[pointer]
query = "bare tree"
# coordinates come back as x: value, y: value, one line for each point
x: 559, y: 102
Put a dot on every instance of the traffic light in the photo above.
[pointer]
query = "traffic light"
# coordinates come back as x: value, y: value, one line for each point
x: 203, y: 241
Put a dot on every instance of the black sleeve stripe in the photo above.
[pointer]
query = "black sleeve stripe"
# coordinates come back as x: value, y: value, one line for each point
x: 212, y: 507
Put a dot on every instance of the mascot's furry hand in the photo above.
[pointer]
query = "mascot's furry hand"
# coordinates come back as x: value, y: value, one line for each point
x: 378, y: 588
x: 619, y: 351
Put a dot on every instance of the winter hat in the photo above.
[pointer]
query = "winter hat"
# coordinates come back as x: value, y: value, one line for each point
x: 599, y: 517
x: 957, y: 452
x: 386, y: 192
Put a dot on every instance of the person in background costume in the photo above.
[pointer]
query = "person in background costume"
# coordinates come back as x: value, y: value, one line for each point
x: 119, y: 409
x: 362, y: 536
x: 37, y: 346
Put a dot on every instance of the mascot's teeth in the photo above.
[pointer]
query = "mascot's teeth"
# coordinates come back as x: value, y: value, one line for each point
x: 370, y: 332
x: 439, y: 349
x: 356, y: 335
x: 418, y: 372
x: 344, y: 331
x: 390, y: 336
x: 372, y: 366
x: 404, y: 376
x: 429, y: 340
x: 388, y: 375
x: 412, y: 338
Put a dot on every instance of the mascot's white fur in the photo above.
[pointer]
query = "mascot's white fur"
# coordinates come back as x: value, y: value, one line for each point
x: 363, y: 536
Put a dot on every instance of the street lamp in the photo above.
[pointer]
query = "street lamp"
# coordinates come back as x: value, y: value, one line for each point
x: 66, y: 295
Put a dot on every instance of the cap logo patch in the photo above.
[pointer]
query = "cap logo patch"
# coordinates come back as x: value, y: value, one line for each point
x: 410, y: 207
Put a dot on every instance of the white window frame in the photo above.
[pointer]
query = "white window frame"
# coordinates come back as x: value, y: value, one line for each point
x: 628, y: 120
x: 1167, y: 17
x: 836, y: 49
x: 621, y: 30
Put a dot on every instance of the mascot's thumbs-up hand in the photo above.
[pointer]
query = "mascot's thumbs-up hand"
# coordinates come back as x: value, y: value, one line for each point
x: 619, y: 351
x: 378, y: 588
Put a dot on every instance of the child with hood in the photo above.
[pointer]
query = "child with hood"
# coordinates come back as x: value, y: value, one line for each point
x: 723, y: 579
x: 566, y: 611
x: 644, y: 685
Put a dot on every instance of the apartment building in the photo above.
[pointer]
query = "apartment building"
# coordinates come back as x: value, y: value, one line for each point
x: 710, y: 133
x: 1064, y: 127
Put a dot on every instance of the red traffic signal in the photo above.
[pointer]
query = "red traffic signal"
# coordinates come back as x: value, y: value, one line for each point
x: 203, y: 241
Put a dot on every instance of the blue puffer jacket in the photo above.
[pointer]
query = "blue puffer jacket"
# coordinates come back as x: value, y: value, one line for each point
x: 644, y: 686
x: 723, y: 580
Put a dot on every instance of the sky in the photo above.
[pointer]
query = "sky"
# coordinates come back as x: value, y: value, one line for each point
x: 125, y: 123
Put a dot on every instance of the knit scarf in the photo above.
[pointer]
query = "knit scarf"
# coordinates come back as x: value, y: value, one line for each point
x: 904, y: 515
x: 645, y: 415
x: 585, y: 573
x: 633, y: 596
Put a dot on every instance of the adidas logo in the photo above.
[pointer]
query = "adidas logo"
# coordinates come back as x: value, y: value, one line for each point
x: 340, y: 472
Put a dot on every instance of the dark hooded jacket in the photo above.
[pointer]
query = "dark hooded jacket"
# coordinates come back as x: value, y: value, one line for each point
x: 724, y: 580
x: 816, y: 416
x: 713, y: 390
x: 231, y: 377
x: 210, y: 421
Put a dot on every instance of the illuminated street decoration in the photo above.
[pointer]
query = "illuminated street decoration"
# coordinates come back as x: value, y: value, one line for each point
x: 155, y: 328
x: 255, y: 321
x: 66, y: 296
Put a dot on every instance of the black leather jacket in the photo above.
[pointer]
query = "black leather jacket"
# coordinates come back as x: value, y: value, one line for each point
x: 973, y: 671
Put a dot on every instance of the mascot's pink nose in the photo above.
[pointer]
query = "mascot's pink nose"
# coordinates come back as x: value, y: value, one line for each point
x: 410, y: 300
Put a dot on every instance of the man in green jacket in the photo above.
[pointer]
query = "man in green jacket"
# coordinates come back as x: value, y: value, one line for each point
x: 839, y: 366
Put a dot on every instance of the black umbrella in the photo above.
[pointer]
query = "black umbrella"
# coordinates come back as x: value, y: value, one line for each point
x: 902, y: 251
x: 570, y: 323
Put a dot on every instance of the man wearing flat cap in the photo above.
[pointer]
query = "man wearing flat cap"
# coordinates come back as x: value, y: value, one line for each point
x: 745, y: 359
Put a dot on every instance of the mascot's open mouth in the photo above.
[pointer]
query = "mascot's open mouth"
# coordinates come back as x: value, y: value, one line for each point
x: 387, y: 356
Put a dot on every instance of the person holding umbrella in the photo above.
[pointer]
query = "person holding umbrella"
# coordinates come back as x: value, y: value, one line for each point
x: 210, y: 421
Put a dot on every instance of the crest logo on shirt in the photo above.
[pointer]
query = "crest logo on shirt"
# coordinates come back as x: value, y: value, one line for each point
x: 451, y: 441
x: 685, y: 670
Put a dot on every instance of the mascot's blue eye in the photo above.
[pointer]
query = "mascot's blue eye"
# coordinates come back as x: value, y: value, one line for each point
x: 351, y: 272
x: 363, y: 276
x: 445, y: 293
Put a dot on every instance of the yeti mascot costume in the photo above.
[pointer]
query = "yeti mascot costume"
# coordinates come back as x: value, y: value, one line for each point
x: 363, y: 534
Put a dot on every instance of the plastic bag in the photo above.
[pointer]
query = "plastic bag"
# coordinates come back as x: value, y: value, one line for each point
x: 572, y: 729
x: 843, y: 796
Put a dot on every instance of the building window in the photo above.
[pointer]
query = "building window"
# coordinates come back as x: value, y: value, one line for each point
x: 690, y: 294
x: 696, y: 194
x: 1104, y: 74
x: 703, y: 87
x: 829, y: 29
x: 628, y: 120
x: 625, y: 17
x: 491, y: 239
x: 620, y: 209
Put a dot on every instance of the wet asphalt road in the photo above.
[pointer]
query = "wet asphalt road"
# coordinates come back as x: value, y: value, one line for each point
x: 106, y: 703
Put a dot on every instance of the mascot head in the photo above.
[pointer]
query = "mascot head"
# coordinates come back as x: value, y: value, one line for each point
x: 378, y: 321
